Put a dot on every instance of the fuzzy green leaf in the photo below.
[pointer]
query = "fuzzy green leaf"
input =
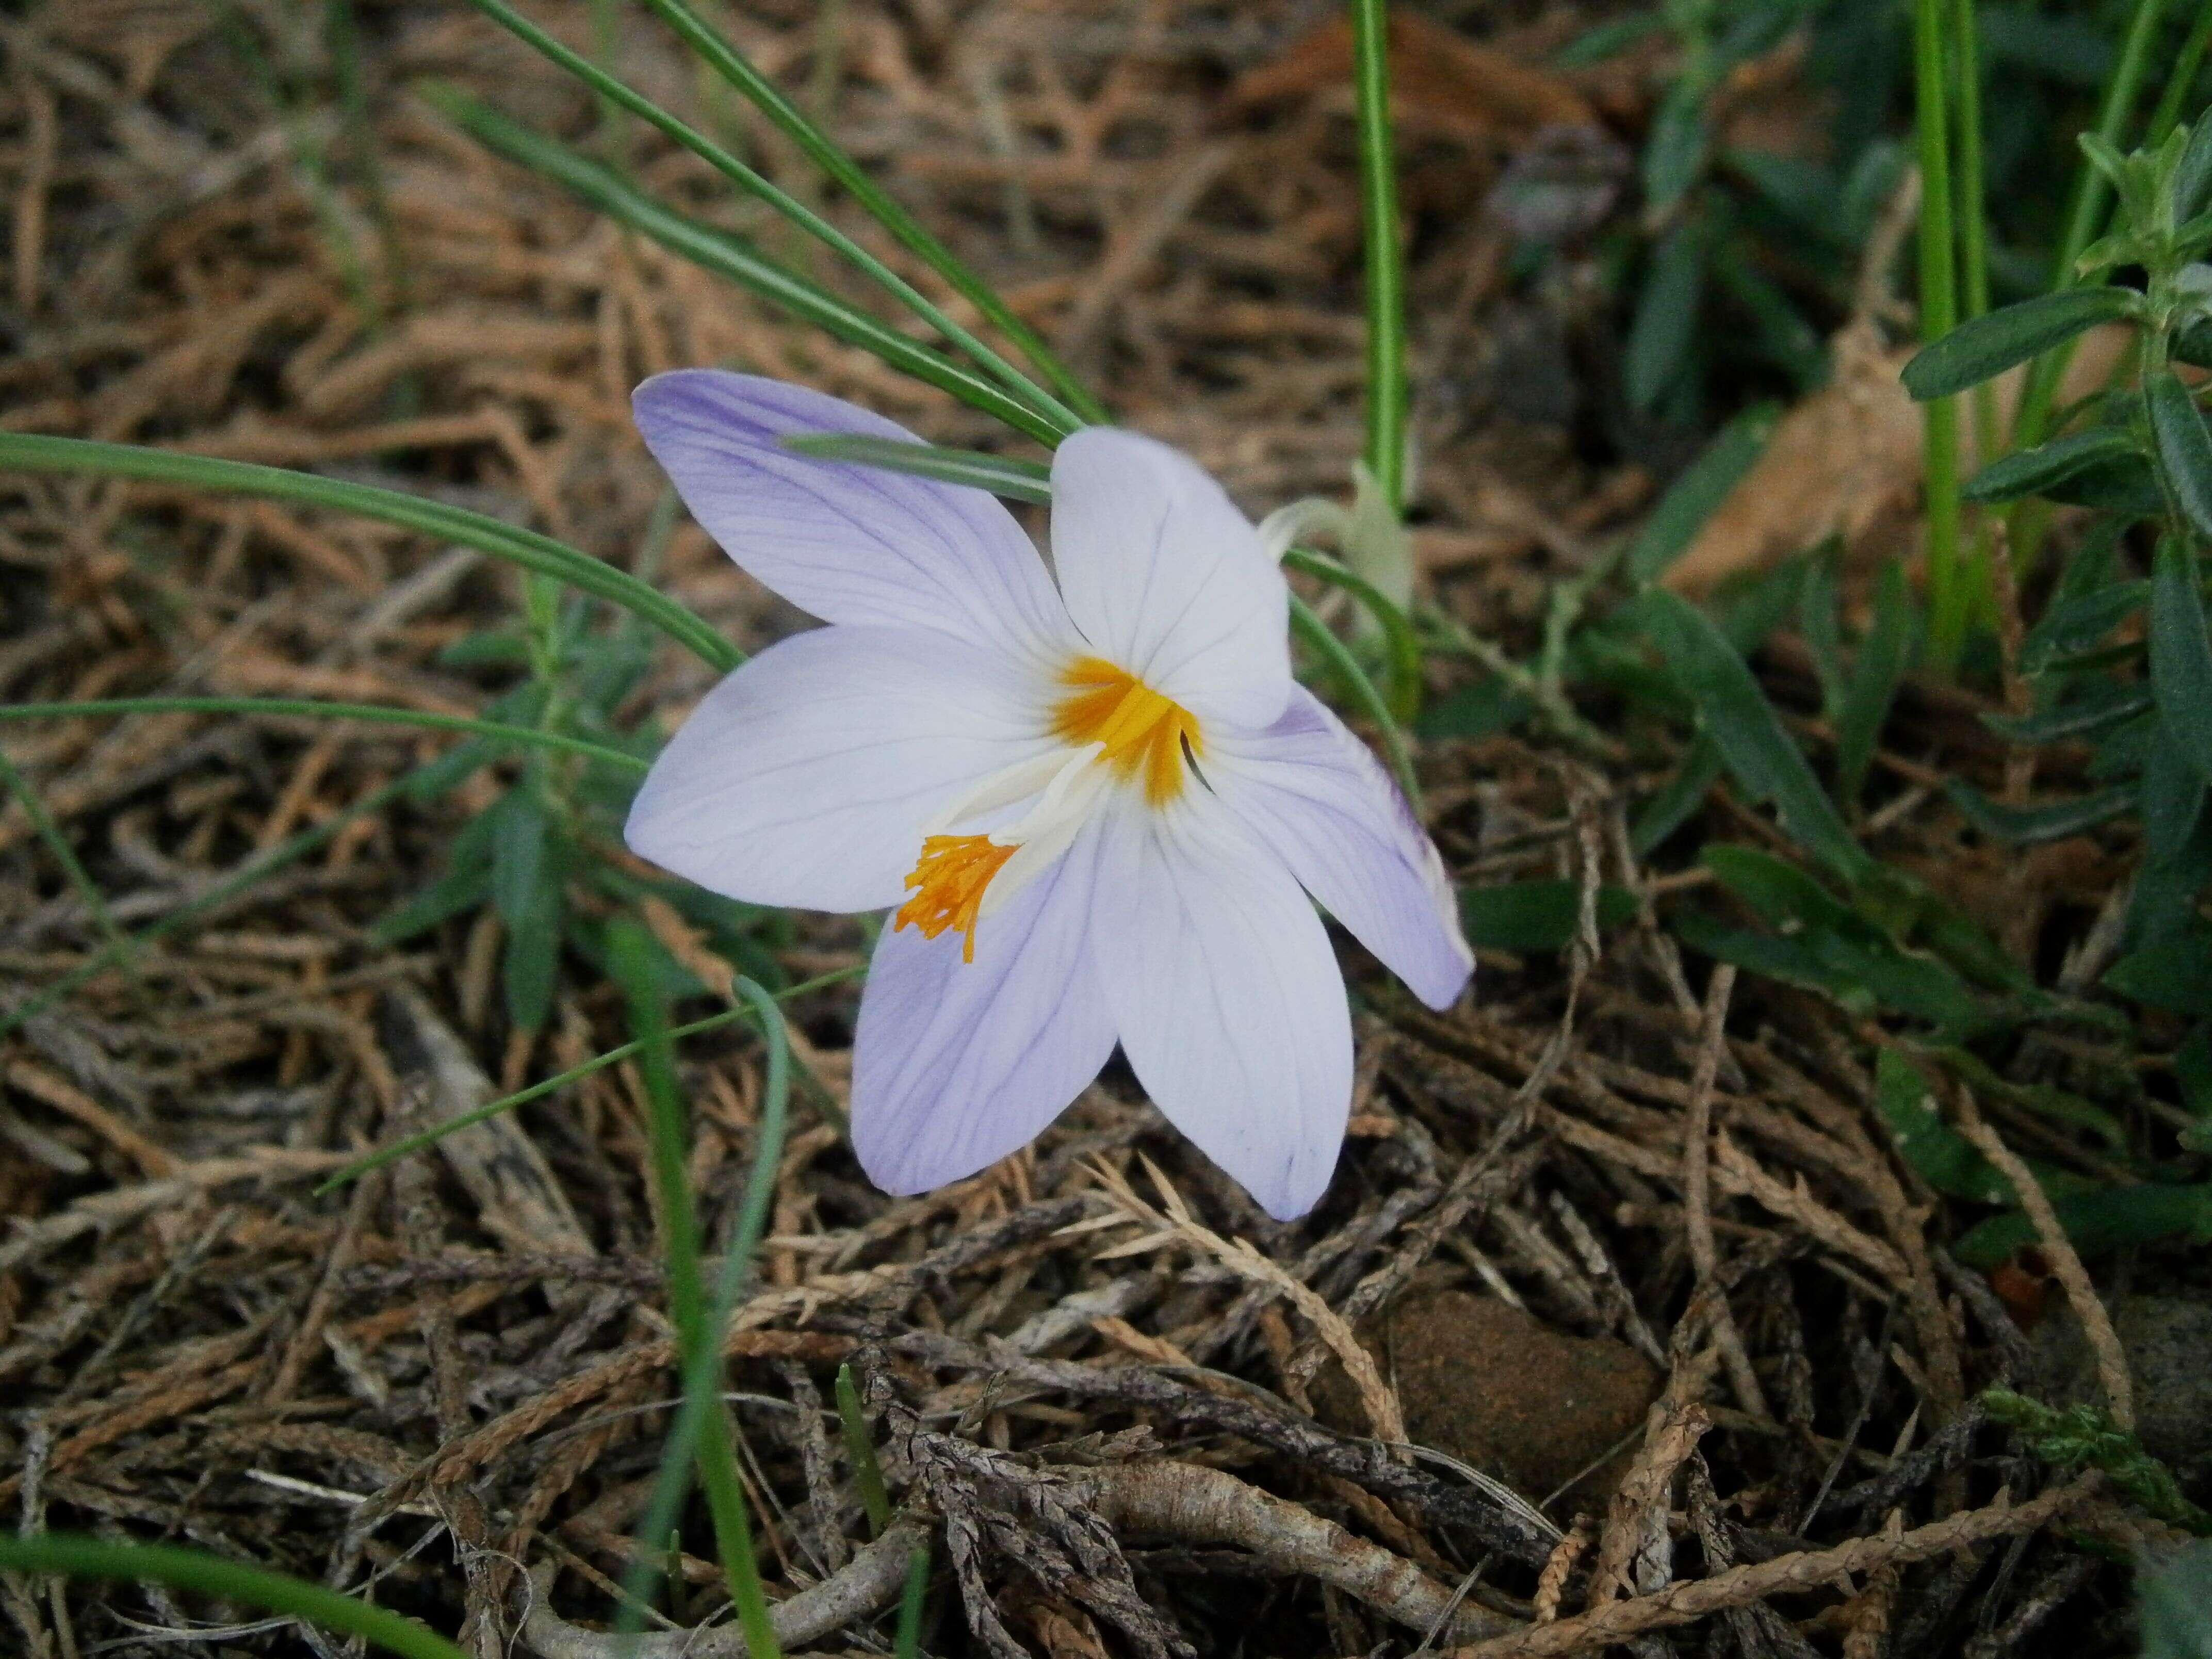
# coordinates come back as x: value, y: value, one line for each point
x: 1977, y: 351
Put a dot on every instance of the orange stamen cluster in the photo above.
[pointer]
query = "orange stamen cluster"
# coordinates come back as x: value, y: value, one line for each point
x: 948, y: 885
x: 1143, y: 732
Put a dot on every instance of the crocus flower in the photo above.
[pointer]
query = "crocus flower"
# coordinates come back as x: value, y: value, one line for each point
x: 1098, y: 803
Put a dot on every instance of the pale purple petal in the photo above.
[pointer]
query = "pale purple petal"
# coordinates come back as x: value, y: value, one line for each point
x: 849, y: 543
x: 1166, y: 579
x: 1227, y: 995
x: 956, y: 1063
x: 806, y: 776
x: 1321, y: 802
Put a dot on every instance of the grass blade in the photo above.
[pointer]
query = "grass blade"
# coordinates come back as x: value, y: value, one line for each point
x: 1951, y: 602
x: 861, y: 1452
x: 908, y: 1643
x: 701, y: 1424
x: 80, y: 878
x: 1387, y: 395
x: 437, y: 1132
x: 1401, y: 649
x: 615, y: 91
x: 733, y: 67
x: 1014, y: 480
x: 29, y: 453
x: 726, y: 254
x: 1372, y: 703
x: 72, y: 1556
x: 528, y: 737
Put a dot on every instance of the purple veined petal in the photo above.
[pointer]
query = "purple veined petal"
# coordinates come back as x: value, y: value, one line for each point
x: 957, y: 1064
x: 850, y: 543
x: 1167, y: 579
x: 1321, y: 802
x: 1227, y: 995
x: 806, y: 777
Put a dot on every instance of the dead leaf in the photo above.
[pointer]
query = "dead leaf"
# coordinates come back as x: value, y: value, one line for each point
x: 1845, y: 462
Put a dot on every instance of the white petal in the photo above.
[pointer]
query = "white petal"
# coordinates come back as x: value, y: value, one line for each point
x: 1227, y: 995
x: 1317, y: 796
x: 851, y: 544
x: 956, y: 1063
x: 1166, y: 579
x: 806, y: 776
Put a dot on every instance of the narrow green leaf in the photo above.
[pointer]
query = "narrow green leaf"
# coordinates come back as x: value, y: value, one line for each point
x: 2174, y: 973
x: 1685, y: 793
x: 1666, y: 315
x: 1944, y: 1158
x: 860, y: 1453
x: 1694, y: 496
x: 2029, y: 826
x: 1675, y: 149
x: 906, y: 1643
x: 1017, y: 384
x: 1607, y: 39
x: 2192, y: 179
x: 2184, y: 447
x: 2098, y: 1222
x: 1875, y: 675
x: 1759, y: 751
x: 728, y: 255
x: 2080, y: 624
x: 1989, y: 344
x: 462, y: 888
x: 1526, y: 917
x: 2103, y: 704
x: 24, y: 451
x: 200, y: 1573
x: 2180, y: 655
x: 733, y: 67
x: 2171, y: 797
x: 2037, y: 471
x: 1381, y: 233
x: 1372, y: 703
x: 1015, y: 480
x: 1401, y: 647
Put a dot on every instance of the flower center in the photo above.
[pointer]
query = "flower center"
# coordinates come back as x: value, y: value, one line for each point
x: 948, y: 885
x: 1142, y: 732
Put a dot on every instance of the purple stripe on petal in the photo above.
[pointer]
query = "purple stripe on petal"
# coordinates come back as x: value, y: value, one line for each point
x: 1319, y: 800
x: 1227, y: 995
x: 957, y: 1064
x: 806, y: 777
x: 850, y: 543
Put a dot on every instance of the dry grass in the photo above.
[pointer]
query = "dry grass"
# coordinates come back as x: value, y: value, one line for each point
x: 446, y: 1388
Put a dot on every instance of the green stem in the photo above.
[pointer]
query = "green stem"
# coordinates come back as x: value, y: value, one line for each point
x: 1337, y: 655
x: 1966, y: 61
x: 437, y: 1132
x: 2085, y: 213
x: 376, y: 714
x: 860, y: 1453
x: 43, y: 825
x: 2181, y: 80
x: 28, y: 452
x: 735, y: 68
x: 1949, y: 602
x: 1386, y: 298
x: 1401, y: 649
x: 615, y: 91
x: 200, y: 1573
x: 698, y: 1331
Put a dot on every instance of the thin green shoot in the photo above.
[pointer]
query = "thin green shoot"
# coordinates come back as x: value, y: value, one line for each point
x: 728, y: 255
x: 698, y: 1331
x: 1969, y: 199
x: 2181, y: 80
x: 860, y: 1453
x: 907, y: 1643
x: 437, y: 1132
x: 726, y: 61
x: 2085, y: 212
x: 615, y: 92
x: 68, y: 1556
x: 1387, y: 394
x: 1402, y: 648
x: 1338, y: 657
x: 528, y: 737
x: 31, y: 452
x: 79, y: 878
x: 1950, y: 602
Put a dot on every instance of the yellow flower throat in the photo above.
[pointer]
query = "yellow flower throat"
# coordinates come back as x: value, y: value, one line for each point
x: 1142, y: 735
